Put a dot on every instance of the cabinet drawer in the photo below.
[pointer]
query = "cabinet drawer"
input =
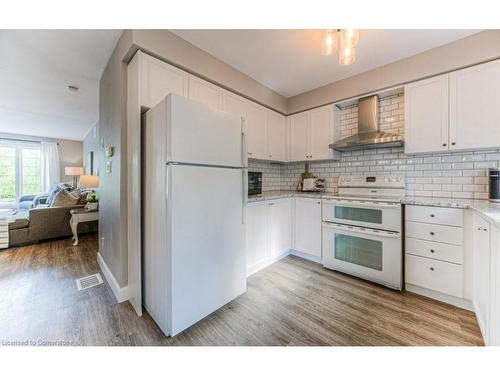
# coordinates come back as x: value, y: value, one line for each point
x: 435, y: 215
x: 4, y: 235
x: 4, y: 228
x: 434, y: 274
x: 434, y: 232
x: 434, y: 250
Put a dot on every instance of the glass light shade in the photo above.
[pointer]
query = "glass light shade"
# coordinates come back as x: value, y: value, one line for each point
x: 347, y: 55
x: 89, y: 182
x: 349, y: 37
x: 329, y: 42
x: 73, y: 171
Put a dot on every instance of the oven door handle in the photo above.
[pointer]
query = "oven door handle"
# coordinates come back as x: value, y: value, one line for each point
x: 351, y: 229
x: 360, y: 204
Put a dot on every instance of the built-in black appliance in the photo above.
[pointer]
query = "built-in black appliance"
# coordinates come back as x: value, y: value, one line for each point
x: 254, y: 183
x: 494, y: 185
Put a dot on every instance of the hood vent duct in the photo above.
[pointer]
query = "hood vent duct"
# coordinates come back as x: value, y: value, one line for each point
x: 368, y: 136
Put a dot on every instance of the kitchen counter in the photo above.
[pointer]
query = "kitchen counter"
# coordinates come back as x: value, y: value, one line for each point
x: 276, y: 194
x: 488, y: 210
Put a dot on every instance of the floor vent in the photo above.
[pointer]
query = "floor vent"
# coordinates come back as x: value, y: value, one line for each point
x: 88, y: 281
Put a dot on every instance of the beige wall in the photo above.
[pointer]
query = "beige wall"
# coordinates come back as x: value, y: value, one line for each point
x: 112, y: 186
x: 474, y: 49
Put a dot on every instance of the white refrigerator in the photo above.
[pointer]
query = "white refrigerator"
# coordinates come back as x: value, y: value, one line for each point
x: 193, y: 199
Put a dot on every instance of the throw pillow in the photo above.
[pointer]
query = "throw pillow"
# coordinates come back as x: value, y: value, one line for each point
x: 55, y: 189
x: 82, y: 196
x: 64, y: 198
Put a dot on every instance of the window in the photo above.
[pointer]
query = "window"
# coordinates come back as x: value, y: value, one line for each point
x: 20, y: 171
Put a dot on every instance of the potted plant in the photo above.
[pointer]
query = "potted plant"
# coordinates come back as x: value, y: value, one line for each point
x: 92, y: 201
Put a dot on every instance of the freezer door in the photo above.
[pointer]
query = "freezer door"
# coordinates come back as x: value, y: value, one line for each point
x: 198, y: 134
x: 208, y: 263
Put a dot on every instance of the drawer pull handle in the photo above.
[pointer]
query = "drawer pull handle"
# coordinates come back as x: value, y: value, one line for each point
x: 432, y: 233
x: 432, y: 268
x: 432, y: 215
x: 432, y: 250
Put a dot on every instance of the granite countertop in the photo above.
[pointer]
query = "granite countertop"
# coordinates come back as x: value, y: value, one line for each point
x: 488, y: 210
x: 276, y: 194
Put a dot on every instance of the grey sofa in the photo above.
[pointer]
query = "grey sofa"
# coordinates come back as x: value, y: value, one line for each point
x: 45, y: 223
x: 31, y: 201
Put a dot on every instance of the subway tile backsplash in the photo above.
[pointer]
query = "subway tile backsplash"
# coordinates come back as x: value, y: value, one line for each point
x: 449, y: 175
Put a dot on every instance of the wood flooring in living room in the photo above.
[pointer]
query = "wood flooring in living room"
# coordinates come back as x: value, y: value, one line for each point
x: 292, y: 302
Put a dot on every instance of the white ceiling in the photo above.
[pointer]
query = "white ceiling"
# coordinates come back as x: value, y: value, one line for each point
x: 289, y: 61
x: 35, y: 68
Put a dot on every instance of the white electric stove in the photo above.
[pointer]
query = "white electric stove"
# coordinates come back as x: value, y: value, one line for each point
x: 362, y: 228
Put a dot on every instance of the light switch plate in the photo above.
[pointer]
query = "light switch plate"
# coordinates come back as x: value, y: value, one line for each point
x: 108, y: 166
x: 109, y: 151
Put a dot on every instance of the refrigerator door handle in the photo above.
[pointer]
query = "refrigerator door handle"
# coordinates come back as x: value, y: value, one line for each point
x: 245, y: 194
x: 244, y: 154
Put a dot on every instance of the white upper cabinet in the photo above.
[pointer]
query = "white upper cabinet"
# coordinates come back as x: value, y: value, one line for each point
x: 158, y: 79
x: 426, y: 115
x: 455, y: 111
x: 475, y: 107
x: 205, y: 92
x: 299, y: 136
x: 311, y: 132
x: 320, y: 133
x: 255, y: 123
x: 276, y: 136
x: 234, y: 104
x: 255, y: 130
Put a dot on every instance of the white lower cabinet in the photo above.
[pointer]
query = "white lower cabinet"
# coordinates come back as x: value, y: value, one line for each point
x: 256, y: 235
x: 268, y: 232
x: 442, y: 277
x: 307, y: 227
x: 484, y: 276
x: 495, y: 287
x: 280, y: 227
x: 434, y: 254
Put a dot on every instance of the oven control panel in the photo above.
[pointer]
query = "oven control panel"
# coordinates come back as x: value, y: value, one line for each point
x: 382, y: 181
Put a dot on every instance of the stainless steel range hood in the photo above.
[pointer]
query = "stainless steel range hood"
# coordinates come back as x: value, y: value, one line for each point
x: 368, y: 136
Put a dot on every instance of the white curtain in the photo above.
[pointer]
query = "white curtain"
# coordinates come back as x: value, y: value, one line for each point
x: 51, y: 171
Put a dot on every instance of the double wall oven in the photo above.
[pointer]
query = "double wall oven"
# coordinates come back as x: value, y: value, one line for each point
x: 362, y: 229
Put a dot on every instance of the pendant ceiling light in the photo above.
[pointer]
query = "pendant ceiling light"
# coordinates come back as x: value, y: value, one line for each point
x: 329, y: 42
x: 345, y: 41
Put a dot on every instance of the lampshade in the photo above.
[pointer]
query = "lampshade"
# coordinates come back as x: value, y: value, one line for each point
x: 89, y: 182
x: 73, y: 171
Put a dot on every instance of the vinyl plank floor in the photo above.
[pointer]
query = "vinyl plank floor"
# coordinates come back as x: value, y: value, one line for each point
x: 293, y: 302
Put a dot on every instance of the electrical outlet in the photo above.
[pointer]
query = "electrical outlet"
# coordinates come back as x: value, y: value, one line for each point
x: 108, y: 166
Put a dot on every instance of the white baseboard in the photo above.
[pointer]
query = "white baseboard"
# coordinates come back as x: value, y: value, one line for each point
x: 482, y: 325
x: 451, y: 300
x: 267, y: 263
x: 310, y: 257
x: 121, y: 293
